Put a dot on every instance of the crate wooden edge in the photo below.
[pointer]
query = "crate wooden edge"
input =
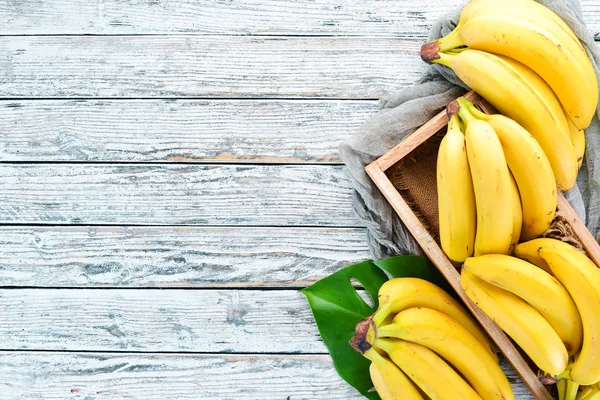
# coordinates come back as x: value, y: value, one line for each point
x: 376, y: 171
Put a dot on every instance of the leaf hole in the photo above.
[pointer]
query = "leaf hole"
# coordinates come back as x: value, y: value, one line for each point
x: 363, y: 294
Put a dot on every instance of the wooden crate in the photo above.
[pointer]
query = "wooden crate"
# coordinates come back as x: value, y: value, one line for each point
x: 416, y: 221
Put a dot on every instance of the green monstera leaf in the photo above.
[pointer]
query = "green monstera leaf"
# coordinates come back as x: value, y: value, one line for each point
x: 337, y: 308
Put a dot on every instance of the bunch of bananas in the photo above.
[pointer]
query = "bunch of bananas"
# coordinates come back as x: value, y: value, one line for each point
x: 547, y: 304
x: 495, y: 185
x: 526, y: 61
x: 423, y: 344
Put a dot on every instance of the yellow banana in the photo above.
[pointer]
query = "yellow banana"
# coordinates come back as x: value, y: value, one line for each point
x: 529, y: 251
x: 578, y: 140
x: 520, y: 321
x: 427, y: 370
x: 399, y: 294
x: 580, y: 276
x: 455, y: 344
x: 456, y: 200
x: 537, y: 287
x: 520, y: 94
x: 389, y: 381
x: 501, y: 29
x: 530, y: 167
x: 491, y: 182
x: 517, y: 213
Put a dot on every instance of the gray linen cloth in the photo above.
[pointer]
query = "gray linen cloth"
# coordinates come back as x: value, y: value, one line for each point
x: 401, y: 113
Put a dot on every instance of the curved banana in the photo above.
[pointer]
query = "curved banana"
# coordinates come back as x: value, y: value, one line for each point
x: 455, y: 344
x: 517, y: 213
x: 520, y: 321
x: 399, y: 294
x: 578, y: 140
x: 529, y: 251
x: 427, y: 370
x: 580, y: 276
x: 523, y: 96
x: 456, y: 200
x: 491, y: 182
x: 501, y: 29
x: 538, y: 288
x: 389, y: 381
x: 530, y: 167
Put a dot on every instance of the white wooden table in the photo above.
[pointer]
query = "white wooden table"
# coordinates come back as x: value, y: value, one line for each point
x: 169, y: 179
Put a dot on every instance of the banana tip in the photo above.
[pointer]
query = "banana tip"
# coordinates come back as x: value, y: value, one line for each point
x: 452, y: 108
x: 429, y: 52
x: 359, y: 341
x: 547, y: 379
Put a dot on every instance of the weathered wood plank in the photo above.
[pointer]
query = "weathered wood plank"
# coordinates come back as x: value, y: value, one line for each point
x: 178, y: 130
x: 212, y: 321
x: 201, y: 66
x: 175, y: 256
x: 258, y: 17
x: 175, y: 194
x: 94, y: 376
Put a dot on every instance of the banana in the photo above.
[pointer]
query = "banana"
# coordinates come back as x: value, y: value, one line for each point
x: 427, y: 370
x: 529, y: 251
x: 455, y: 344
x: 520, y: 321
x: 537, y: 287
x: 399, y: 294
x: 456, y: 199
x: 552, y: 50
x: 389, y: 381
x: 491, y: 182
x: 578, y: 140
x: 520, y: 94
x: 580, y: 276
x: 517, y: 213
x: 530, y: 167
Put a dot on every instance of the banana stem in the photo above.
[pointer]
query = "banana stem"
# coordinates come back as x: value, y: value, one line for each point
x: 562, y: 388
x: 472, y: 109
x: 572, y: 388
x: 384, y: 345
x: 587, y: 391
x: 381, y: 314
x: 451, y: 41
x: 465, y: 115
x: 444, y: 59
x: 593, y: 395
x: 453, y: 124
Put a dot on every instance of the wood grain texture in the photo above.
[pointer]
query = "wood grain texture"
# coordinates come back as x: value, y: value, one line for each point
x: 211, y: 321
x: 257, y: 17
x: 175, y: 256
x: 178, y: 130
x: 94, y: 376
x: 61, y: 376
x: 201, y: 66
x: 175, y: 194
